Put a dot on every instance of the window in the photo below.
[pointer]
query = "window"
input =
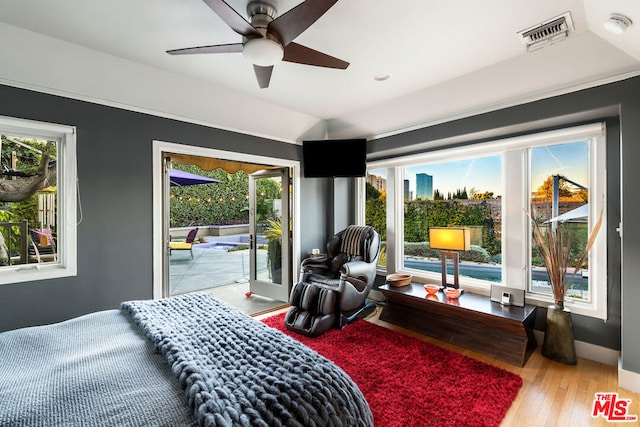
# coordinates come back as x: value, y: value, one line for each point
x: 489, y: 188
x: 376, y: 209
x: 37, y: 201
x: 559, y: 199
x: 462, y: 193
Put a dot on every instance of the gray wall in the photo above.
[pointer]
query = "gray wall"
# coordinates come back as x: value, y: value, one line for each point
x: 315, y: 214
x: 343, y: 192
x: 327, y: 207
x: 619, y: 103
x: 114, y: 149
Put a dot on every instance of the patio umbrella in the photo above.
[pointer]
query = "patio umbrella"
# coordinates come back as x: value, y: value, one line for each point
x: 580, y: 214
x: 182, y: 178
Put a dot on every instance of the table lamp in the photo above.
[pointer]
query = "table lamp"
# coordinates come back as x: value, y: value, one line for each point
x: 450, y: 240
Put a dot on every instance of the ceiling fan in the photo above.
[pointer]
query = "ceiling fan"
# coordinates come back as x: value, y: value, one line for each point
x: 269, y: 38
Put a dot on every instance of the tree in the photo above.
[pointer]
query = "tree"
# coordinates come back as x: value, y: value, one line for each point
x: 487, y: 195
x: 267, y: 191
x: 372, y: 192
x: 35, y: 171
x: 460, y: 194
x: 545, y: 190
x: 582, y: 194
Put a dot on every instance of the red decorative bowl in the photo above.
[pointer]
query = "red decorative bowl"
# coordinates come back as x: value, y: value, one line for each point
x: 452, y: 292
x: 431, y: 289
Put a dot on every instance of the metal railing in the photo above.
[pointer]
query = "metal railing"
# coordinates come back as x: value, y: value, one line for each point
x: 8, y: 230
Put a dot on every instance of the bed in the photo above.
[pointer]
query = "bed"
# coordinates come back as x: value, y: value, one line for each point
x: 182, y: 361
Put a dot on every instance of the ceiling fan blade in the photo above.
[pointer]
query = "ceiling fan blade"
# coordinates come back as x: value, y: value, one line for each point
x: 299, y: 54
x: 233, y: 19
x: 290, y: 25
x: 217, y: 48
x: 263, y: 74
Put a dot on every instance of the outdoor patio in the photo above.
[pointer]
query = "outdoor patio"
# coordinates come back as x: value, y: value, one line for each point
x: 221, y: 272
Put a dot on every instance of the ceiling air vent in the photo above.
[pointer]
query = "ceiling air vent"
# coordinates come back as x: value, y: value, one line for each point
x: 547, y: 33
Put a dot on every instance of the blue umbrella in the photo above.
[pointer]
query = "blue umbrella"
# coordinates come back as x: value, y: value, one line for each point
x: 182, y: 178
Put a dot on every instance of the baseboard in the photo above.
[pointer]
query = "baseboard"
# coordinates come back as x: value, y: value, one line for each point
x: 628, y: 380
x: 589, y: 351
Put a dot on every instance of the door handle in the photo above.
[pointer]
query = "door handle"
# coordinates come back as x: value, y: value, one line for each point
x: 251, y: 241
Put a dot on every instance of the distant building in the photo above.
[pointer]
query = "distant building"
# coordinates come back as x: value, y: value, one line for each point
x: 424, y: 186
x: 407, y: 192
x: 378, y: 182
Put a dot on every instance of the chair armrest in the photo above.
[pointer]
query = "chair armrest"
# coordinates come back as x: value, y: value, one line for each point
x: 359, y: 269
x: 317, y: 262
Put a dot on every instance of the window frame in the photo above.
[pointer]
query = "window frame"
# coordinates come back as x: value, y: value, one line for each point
x: 515, y: 204
x: 66, y: 264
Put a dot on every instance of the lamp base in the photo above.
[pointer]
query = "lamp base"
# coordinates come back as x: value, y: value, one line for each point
x: 454, y: 257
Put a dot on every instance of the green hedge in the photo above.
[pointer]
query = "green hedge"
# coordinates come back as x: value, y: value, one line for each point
x: 210, y: 204
x: 421, y: 214
x: 376, y: 216
x: 422, y: 250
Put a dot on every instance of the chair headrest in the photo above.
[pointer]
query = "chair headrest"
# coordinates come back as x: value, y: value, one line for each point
x: 352, y: 239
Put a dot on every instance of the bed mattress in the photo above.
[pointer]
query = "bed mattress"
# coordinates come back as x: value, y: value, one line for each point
x: 181, y: 361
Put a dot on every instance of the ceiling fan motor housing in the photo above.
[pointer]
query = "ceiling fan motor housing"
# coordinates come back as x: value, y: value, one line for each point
x: 267, y: 50
x: 268, y: 38
x: 261, y: 14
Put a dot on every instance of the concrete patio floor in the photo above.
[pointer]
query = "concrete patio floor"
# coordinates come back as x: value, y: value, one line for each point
x: 221, y: 273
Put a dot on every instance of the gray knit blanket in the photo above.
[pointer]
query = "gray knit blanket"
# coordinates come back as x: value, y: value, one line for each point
x: 96, y: 370
x: 236, y: 371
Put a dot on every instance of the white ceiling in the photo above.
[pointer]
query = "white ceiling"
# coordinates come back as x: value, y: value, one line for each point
x: 446, y: 60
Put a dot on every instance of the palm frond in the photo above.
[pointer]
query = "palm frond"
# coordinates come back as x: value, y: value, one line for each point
x: 273, y: 230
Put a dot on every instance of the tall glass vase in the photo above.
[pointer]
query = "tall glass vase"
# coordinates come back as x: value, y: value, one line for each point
x: 559, y: 344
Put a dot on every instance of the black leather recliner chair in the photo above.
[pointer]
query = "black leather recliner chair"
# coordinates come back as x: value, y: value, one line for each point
x: 332, y: 290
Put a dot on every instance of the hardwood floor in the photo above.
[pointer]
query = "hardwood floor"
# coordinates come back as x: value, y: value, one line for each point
x: 552, y: 394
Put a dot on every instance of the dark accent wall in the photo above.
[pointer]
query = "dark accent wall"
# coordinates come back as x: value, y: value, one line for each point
x: 315, y: 214
x: 114, y: 148
x: 619, y: 104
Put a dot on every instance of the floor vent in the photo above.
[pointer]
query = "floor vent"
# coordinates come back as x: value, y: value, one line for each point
x: 547, y: 33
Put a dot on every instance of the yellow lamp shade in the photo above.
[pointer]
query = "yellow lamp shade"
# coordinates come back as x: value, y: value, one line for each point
x: 450, y: 238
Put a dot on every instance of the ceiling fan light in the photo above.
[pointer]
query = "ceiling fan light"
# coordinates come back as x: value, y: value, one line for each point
x: 617, y: 24
x: 263, y: 52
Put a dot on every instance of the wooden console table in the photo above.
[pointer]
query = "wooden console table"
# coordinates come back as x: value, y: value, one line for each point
x: 470, y: 321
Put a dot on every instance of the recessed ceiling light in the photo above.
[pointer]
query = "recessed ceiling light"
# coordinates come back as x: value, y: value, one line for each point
x: 617, y: 24
x: 382, y: 77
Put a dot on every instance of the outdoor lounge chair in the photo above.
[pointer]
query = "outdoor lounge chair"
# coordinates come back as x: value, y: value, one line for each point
x: 187, y: 245
x: 42, y: 246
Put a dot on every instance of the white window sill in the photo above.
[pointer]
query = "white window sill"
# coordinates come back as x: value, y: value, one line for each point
x: 575, y: 306
x: 31, y: 272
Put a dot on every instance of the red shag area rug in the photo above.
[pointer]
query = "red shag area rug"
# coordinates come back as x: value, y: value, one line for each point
x: 409, y: 382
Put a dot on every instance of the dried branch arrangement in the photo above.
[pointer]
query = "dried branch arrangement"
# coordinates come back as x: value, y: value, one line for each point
x: 555, y: 248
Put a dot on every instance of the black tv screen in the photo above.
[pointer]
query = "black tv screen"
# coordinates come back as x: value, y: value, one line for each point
x: 334, y: 158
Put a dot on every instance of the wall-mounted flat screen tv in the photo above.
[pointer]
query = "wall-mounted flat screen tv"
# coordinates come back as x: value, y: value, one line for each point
x: 334, y: 158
